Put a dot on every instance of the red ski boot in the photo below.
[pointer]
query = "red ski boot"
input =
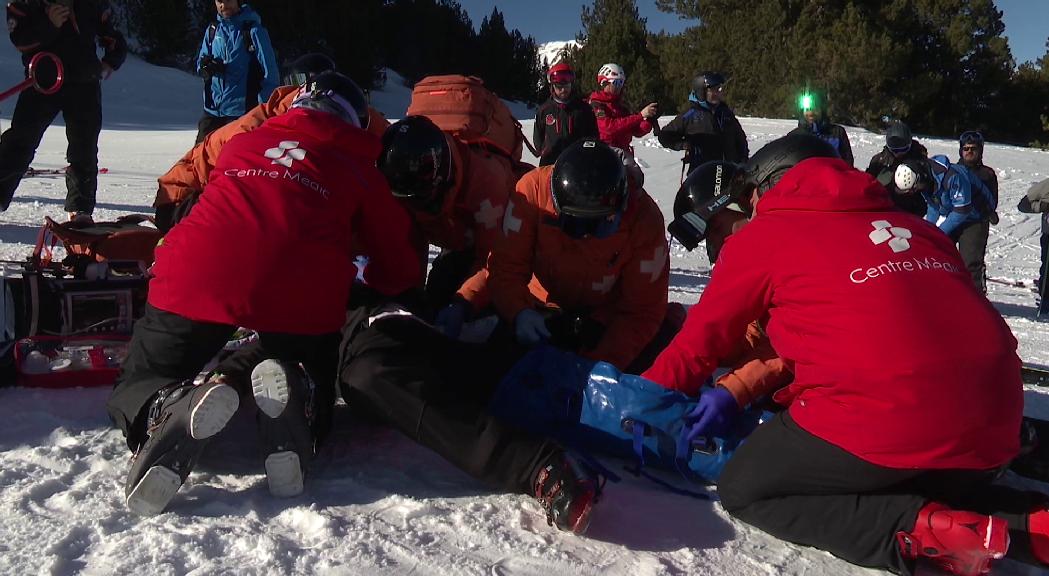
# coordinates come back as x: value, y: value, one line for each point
x: 960, y: 542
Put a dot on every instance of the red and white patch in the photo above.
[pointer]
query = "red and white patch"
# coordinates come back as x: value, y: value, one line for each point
x: 550, y: 120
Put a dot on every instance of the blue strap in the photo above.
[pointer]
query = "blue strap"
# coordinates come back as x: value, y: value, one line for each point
x: 639, y: 443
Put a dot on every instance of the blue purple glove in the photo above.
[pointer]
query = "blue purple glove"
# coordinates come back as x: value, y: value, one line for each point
x: 713, y: 416
x: 530, y: 327
x: 450, y: 319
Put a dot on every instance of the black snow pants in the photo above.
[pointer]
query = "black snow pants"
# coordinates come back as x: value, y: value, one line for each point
x: 435, y: 391
x: 81, y: 106
x: 168, y: 348
x: 208, y: 124
x: 805, y: 490
x: 972, y: 244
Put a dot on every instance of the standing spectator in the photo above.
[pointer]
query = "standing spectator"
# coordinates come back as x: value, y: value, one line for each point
x: 1037, y: 202
x: 69, y: 30
x: 238, y: 65
x: 564, y: 118
x: 899, y: 147
x: 960, y: 204
x: 970, y: 155
x: 708, y: 130
x: 814, y: 120
x: 616, y: 125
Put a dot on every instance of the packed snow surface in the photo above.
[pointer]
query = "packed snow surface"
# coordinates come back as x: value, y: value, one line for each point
x: 375, y: 503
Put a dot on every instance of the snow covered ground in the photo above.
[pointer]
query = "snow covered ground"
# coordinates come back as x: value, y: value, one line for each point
x: 375, y: 504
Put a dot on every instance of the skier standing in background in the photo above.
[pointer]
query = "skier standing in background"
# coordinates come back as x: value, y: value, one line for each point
x: 814, y: 120
x: 900, y: 147
x: 708, y: 130
x: 238, y: 65
x: 564, y: 118
x: 616, y: 125
x: 69, y: 30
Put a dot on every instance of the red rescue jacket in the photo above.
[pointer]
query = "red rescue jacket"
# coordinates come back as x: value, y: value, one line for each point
x: 896, y: 357
x: 269, y: 245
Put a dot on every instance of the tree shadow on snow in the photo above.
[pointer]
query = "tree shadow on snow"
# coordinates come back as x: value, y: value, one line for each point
x: 18, y: 233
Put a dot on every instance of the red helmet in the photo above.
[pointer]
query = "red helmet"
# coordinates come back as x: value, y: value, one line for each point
x: 560, y: 73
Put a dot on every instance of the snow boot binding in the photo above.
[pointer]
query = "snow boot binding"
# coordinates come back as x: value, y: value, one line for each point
x: 567, y: 491
x: 282, y: 396
x: 181, y: 420
x: 959, y: 542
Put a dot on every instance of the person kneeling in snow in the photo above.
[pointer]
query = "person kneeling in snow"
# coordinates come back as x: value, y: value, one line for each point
x: 884, y: 455
x: 268, y: 248
x: 583, y: 262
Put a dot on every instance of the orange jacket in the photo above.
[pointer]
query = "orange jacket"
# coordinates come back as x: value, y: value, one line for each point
x: 472, y: 214
x: 757, y: 370
x: 622, y: 280
x: 189, y: 175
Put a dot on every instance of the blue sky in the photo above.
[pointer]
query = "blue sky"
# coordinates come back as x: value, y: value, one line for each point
x: 546, y: 20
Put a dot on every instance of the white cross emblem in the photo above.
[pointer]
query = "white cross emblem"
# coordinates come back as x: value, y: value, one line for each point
x: 285, y: 153
x: 488, y: 215
x: 896, y: 236
x: 510, y: 223
x: 605, y: 285
x: 654, y: 267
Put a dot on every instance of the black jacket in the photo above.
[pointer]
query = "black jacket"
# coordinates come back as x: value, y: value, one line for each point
x: 989, y: 177
x: 706, y: 134
x: 31, y: 31
x: 834, y: 134
x: 557, y: 125
x: 883, y: 167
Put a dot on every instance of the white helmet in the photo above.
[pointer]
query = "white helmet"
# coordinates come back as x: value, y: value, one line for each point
x: 905, y: 178
x: 613, y: 73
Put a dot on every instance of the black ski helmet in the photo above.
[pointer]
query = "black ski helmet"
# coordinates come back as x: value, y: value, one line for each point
x: 898, y: 136
x: 417, y: 162
x: 704, y: 81
x: 335, y: 94
x: 305, y: 67
x: 771, y: 162
x: 588, y: 181
x: 706, y: 192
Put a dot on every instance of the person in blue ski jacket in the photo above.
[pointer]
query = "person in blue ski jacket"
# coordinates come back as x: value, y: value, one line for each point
x: 964, y: 203
x: 238, y: 64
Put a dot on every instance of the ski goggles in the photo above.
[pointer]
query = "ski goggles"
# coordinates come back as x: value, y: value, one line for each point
x: 691, y: 227
x: 617, y: 82
x: 900, y: 149
x: 578, y: 227
x: 971, y: 138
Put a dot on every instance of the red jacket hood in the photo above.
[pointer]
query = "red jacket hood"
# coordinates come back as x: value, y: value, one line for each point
x: 602, y: 96
x: 825, y: 185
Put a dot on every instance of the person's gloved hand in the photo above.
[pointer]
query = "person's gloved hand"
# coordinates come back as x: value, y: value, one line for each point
x: 713, y: 416
x: 212, y: 66
x: 450, y: 319
x: 530, y: 327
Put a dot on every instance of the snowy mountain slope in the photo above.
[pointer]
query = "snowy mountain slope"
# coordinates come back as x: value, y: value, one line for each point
x: 549, y: 53
x: 375, y: 503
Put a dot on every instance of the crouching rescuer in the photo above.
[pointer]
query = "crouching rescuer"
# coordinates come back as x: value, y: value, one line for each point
x: 268, y: 247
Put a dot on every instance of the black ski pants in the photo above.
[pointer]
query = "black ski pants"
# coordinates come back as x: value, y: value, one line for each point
x: 805, y: 490
x: 1043, y: 276
x: 168, y: 348
x: 435, y: 391
x: 208, y: 124
x: 81, y: 106
x: 972, y: 244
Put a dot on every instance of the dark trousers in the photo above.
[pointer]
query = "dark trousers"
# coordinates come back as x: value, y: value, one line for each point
x: 1043, y: 276
x: 208, y: 124
x: 436, y: 390
x: 972, y: 244
x: 805, y: 490
x: 166, y: 349
x: 81, y: 106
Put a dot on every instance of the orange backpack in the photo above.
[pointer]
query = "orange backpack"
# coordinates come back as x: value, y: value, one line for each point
x: 463, y: 107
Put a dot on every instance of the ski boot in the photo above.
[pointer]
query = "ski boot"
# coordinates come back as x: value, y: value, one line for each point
x: 282, y: 395
x: 567, y: 490
x: 181, y: 419
x: 959, y: 542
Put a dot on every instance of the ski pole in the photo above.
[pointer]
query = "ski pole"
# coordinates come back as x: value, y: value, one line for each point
x: 31, y: 80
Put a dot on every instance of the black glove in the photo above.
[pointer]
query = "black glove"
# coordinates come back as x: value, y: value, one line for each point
x: 212, y: 66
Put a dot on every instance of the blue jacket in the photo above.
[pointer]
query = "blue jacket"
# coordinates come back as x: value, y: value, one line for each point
x: 958, y: 196
x: 236, y: 89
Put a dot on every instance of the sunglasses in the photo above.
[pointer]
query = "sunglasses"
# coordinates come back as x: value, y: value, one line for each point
x: 561, y: 85
x: 970, y: 148
x: 718, y: 88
